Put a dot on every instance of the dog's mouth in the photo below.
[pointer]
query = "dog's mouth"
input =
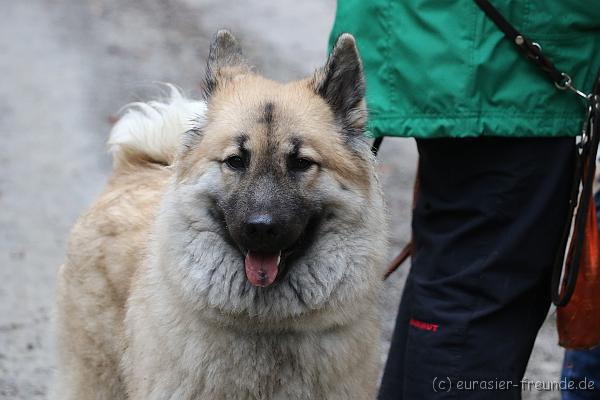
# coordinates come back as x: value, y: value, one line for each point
x: 262, y: 268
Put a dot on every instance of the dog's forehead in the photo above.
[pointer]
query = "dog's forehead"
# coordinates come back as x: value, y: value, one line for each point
x: 276, y: 118
x: 268, y: 131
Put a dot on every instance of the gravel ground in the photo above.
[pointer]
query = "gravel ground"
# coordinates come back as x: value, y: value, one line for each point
x: 67, y: 67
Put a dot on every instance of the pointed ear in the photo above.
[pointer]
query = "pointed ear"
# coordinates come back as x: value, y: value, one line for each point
x: 341, y: 83
x: 225, y: 61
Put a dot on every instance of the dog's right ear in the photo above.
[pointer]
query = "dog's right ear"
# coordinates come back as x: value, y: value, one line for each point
x: 225, y: 61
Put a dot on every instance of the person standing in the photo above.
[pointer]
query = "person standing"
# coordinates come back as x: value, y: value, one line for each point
x: 496, y: 156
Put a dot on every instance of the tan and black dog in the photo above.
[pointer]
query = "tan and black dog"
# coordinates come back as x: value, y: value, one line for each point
x: 237, y: 250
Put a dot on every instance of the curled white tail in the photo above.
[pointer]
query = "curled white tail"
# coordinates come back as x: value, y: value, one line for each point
x: 152, y: 131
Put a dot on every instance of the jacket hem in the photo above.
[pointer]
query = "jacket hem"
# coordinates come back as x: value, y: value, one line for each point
x: 430, y: 126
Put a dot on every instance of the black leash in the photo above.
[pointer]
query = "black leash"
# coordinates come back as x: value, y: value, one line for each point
x: 581, y: 194
x: 376, y: 145
x: 586, y: 157
x: 532, y: 50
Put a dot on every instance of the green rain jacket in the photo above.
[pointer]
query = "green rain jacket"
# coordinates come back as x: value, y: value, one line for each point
x: 441, y: 68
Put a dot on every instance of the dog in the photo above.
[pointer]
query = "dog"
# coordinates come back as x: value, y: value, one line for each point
x: 237, y: 250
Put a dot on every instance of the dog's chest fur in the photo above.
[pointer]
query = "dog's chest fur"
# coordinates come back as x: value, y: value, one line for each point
x: 171, y: 356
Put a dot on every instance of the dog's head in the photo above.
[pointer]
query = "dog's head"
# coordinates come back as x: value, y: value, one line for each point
x: 275, y: 192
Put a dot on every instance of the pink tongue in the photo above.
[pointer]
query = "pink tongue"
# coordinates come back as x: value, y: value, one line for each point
x: 261, y: 269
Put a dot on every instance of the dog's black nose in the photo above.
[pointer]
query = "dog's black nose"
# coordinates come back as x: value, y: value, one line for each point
x: 262, y: 232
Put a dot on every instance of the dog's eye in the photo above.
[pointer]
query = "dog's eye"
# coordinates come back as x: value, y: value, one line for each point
x: 235, y: 162
x: 300, y: 164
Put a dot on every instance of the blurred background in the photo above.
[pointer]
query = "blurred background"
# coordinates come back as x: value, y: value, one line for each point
x: 66, y: 69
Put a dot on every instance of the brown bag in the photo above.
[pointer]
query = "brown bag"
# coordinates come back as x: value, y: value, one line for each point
x: 578, y: 322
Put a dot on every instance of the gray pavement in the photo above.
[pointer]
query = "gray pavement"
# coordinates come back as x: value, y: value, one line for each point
x: 66, y: 67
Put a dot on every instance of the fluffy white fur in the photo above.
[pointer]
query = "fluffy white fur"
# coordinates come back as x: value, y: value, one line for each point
x: 153, y: 130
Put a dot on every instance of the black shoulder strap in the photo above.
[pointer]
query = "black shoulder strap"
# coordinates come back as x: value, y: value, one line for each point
x: 532, y: 50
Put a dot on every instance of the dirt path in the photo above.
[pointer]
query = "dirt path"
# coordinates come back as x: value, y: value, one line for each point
x: 67, y: 67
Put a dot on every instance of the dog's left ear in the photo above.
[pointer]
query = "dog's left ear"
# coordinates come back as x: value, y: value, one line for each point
x: 225, y: 61
x: 341, y: 83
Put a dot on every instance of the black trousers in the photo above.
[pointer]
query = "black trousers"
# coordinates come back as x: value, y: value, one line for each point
x: 486, y: 225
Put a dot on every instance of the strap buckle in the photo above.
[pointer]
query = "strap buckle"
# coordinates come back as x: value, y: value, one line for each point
x: 561, y: 80
x: 567, y: 83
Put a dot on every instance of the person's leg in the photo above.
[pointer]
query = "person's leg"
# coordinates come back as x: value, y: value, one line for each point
x: 486, y: 226
x: 393, y: 379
